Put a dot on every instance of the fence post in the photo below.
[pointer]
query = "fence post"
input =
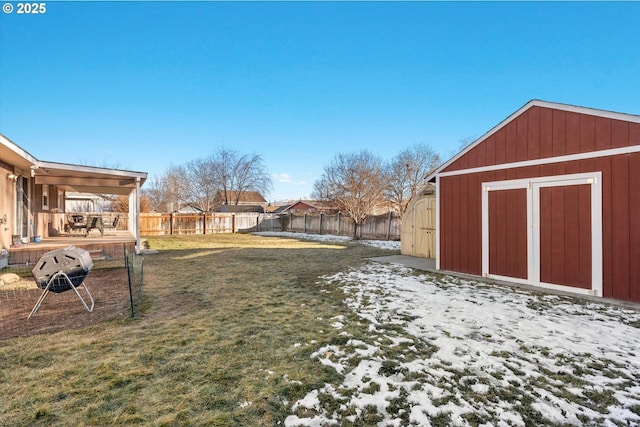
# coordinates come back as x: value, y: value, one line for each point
x: 257, y: 222
x: 338, y: 223
x: 171, y: 223
x: 233, y: 223
x: 204, y: 223
x: 320, y: 227
x: 389, y: 225
x: 128, y: 267
x: 305, y: 223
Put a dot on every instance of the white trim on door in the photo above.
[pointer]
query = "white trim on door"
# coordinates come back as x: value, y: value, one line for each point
x: 532, y: 187
x: 438, y: 195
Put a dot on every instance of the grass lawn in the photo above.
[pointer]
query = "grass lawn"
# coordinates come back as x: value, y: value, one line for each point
x: 247, y: 330
x: 228, y: 326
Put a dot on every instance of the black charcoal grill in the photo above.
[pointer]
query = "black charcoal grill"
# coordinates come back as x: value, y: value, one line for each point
x: 61, y: 270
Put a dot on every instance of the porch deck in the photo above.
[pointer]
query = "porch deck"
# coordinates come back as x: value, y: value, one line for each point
x: 111, y: 245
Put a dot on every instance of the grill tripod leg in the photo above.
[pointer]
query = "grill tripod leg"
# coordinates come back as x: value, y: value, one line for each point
x: 43, y: 295
x: 82, y: 299
x: 46, y: 292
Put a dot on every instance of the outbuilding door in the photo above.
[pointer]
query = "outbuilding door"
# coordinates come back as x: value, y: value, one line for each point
x: 424, y: 230
x: 544, y: 232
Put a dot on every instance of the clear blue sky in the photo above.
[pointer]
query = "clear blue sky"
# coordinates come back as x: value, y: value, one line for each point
x: 148, y: 85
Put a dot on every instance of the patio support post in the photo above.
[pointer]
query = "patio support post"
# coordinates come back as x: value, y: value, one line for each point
x: 134, y: 213
x: 138, y: 247
x: 131, y: 219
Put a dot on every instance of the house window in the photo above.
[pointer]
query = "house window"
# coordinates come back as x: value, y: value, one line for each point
x: 45, y: 197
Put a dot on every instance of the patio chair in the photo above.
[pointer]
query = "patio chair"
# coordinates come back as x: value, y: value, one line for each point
x: 61, y: 270
x: 94, y: 222
x: 112, y: 225
x: 76, y: 222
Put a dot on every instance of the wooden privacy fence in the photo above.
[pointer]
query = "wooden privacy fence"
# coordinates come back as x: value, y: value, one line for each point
x: 379, y: 227
x: 158, y: 224
x: 385, y: 227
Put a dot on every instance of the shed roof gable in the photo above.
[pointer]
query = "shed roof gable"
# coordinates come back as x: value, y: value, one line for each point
x: 523, y: 142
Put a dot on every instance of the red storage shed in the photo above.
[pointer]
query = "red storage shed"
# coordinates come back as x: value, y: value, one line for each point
x: 549, y: 197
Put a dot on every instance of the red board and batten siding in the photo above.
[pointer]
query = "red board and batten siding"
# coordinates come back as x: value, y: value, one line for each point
x: 537, y: 133
x: 508, y: 218
x: 565, y: 241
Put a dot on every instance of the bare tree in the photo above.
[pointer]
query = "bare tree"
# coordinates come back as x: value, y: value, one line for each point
x: 237, y: 173
x: 356, y: 183
x: 121, y: 204
x: 156, y: 191
x: 199, y: 181
x: 201, y: 185
x: 406, y: 173
x: 169, y: 191
x: 466, y: 141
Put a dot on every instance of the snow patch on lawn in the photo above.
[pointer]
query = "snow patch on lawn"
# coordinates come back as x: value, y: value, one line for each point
x: 330, y: 238
x: 442, y: 350
x: 392, y: 245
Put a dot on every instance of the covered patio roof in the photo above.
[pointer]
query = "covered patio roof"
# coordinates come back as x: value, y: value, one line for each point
x: 71, y: 177
x: 78, y: 178
x: 88, y: 179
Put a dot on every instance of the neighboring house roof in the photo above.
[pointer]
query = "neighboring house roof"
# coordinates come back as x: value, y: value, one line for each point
x: 73, y: 195
x: 242, y: 208
x: 246, y: 197
x: 189, y: 209
x: 323, y: 206
x: 533, y: 103
x: 74, y: 201
x: 310, y: 206
x: 276, y: 209
x: 302, y: 206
